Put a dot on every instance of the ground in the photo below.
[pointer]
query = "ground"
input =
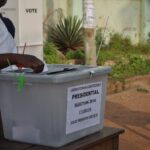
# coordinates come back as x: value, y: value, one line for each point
x: 130, y: 110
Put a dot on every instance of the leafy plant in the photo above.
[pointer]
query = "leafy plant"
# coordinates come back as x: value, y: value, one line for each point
x: 106, y: 55
x: 67, y: 34
x: 135, y: 66
x: 148, y: 40
x: 78, y: 54
x: 99, y: 38
x: 143, y: 48
x: 118, y: 42
x: 51, y: 54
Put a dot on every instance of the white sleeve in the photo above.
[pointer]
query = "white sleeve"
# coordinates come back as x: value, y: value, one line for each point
x: 7, y: 43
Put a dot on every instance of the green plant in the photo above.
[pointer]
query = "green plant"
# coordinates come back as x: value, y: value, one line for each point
x: 135, y: 66
x: 67, y: 34
x: 99, y: 38
x: 51, y: 54
x: 118, y: 71
x: 105, y: 55
x: 78, y: 54
x: 148, y: 40
x: 118, y: 42
x: 143, y: 48
x: 127, y: 59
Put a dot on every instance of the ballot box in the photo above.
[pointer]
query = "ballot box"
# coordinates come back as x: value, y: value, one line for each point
x: 55, y: 107
x: 27, y: 17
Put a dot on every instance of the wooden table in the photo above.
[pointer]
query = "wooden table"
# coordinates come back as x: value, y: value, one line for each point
x: 106, y: 139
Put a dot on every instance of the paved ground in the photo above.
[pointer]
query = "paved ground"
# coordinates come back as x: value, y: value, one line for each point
x: 130, y: 110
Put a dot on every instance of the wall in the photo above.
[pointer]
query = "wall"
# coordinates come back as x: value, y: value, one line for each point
x: 124, y: 16
x: 52, y: 11
x: 146, y: 19
x: 26, y: 16
x: 128, y: 17
x: 52, y: 8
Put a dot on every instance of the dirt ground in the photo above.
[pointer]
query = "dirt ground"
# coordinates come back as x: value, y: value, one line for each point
x: 130, y: 110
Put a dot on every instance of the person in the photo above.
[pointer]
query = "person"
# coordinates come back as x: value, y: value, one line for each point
x: 8, y: 48
x: 21, y: 60
x: 8, y: 51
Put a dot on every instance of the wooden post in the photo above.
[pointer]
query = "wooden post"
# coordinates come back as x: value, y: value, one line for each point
x: 89, y: 30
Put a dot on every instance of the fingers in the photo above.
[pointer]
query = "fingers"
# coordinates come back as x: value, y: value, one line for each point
x: 29, y: 61
x: 37, y: 68
x: 36, y: 64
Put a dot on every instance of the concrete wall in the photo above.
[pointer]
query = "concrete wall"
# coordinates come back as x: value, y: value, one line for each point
x: 124, y: 16
x: 128, y: 17
x: 145, y: 19
x: 51, y: 8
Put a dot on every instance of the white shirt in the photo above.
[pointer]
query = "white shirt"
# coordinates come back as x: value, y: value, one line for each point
x: 7, y: 43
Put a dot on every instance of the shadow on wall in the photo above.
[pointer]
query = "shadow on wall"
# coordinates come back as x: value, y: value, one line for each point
x: 126, y: 117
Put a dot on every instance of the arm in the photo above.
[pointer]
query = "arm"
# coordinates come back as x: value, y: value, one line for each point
x: 27, y: 61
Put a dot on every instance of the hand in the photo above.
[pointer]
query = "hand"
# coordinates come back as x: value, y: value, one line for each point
x: 28, y: 61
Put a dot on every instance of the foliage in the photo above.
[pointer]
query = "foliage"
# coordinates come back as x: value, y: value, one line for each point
x: 118, y: 42
x: 143, y: 48
x: 129, y: 60
x: 99, y: 38
x: 135, y: 66
x: 148, y: 40
x: 67, y: 34
x: 78, y: 54
x: 119, y: 47
x: 50, y: 54
x: 108, y: 55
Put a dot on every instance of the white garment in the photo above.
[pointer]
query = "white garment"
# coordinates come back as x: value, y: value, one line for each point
x: 7, y: 43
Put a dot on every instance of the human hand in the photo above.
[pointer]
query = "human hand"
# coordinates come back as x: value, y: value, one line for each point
x: 28, y: 61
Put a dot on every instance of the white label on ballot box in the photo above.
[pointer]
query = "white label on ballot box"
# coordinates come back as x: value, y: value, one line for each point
x: 83, y: 107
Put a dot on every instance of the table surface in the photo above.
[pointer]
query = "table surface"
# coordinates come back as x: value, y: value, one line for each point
x: 105, y: 134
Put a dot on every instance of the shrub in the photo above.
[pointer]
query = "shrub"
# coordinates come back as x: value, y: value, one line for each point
x: 148, y: 40
x: 135, y: 66
x: 99, y: 38
x: 143, y: 48
x: 78, y: 54
x: 51, y: 54
x: 105, y: 55
x: 67, y: 34
x: 118, y: 42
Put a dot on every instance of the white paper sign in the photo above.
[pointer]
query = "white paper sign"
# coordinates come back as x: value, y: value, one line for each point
x: 88, y: 14
x: 83, y: 107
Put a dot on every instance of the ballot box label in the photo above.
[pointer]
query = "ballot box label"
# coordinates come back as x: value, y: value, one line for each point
x: 83, y: 106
